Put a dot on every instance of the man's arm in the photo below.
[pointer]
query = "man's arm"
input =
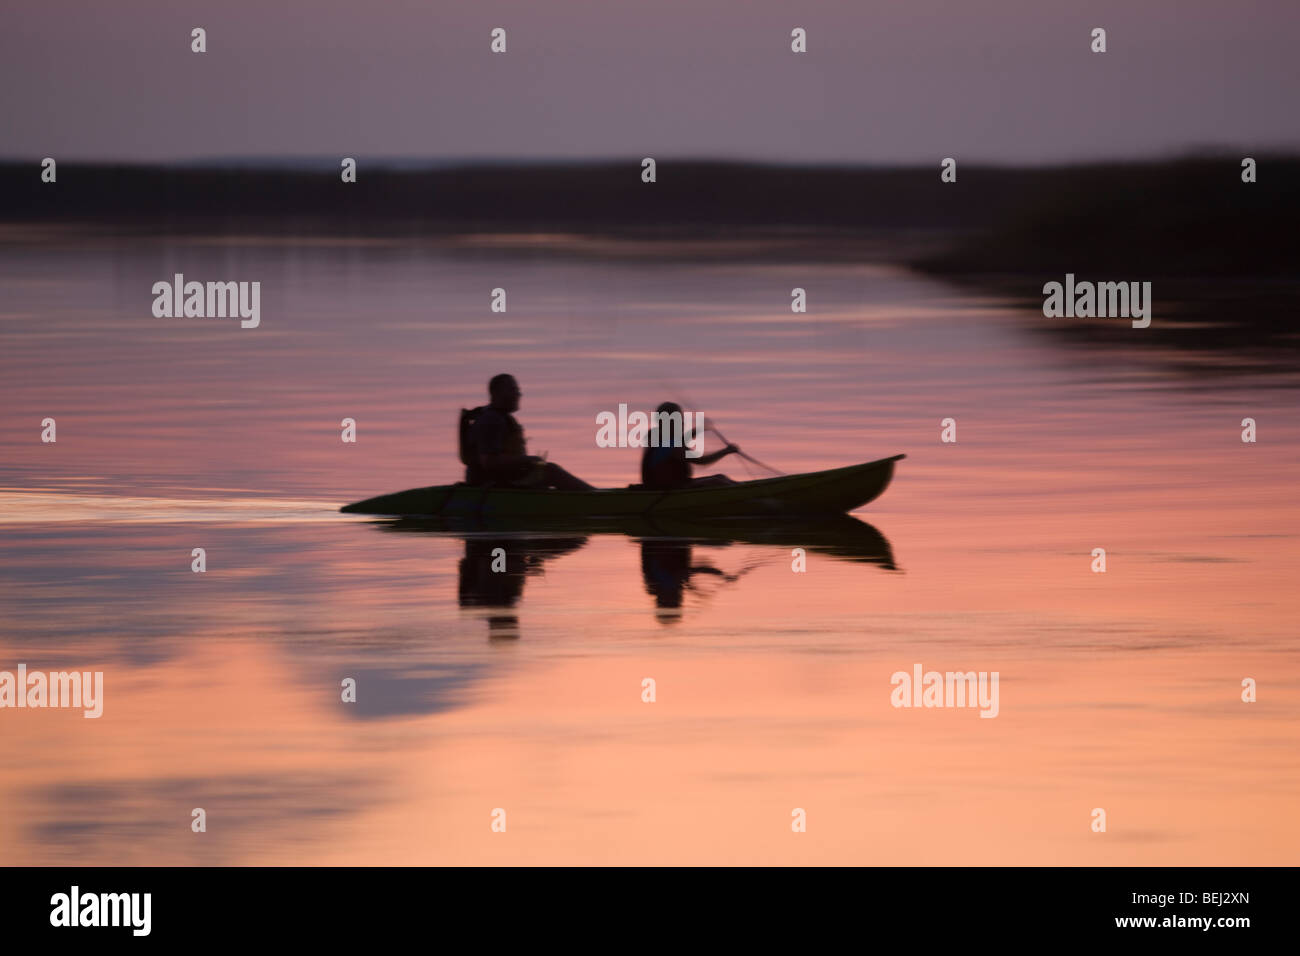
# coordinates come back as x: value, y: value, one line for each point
x: 502, y: 462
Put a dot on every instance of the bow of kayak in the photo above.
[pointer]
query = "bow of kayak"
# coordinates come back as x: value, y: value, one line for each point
x: 835, y: 491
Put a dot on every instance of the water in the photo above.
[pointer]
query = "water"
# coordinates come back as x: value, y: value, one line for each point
x: 523, y: 691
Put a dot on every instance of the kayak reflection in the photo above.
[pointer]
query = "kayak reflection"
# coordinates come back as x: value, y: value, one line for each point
x: 670, y: 568
x: 499, y: 558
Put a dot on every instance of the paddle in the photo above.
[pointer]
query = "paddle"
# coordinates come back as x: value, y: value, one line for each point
x: 709, y: 426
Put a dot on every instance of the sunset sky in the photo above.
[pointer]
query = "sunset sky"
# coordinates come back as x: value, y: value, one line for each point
x: 1008, y: 80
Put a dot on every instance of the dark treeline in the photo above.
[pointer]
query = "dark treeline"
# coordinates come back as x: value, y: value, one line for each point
x: 1189, y: 218
x: 1192, y: 217
x: 695, y: 198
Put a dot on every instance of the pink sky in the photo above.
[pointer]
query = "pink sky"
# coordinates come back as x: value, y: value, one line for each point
x: 1012, y: 80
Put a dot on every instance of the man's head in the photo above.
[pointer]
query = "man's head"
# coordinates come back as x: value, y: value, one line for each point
x: 505, y: 393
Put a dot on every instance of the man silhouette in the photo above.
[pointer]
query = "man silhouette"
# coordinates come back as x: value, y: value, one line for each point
x: 497, y: 453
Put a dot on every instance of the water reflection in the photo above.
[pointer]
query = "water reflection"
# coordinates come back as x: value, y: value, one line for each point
x: 492, y: 574
x: 496, y: 564
x: 667, y: 567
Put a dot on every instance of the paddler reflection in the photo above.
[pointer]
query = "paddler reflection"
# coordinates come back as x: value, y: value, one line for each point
x: 492, y: 574
x: 668, y: 567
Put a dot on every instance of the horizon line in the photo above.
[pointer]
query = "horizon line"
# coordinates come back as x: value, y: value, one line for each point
x: 322, y: 163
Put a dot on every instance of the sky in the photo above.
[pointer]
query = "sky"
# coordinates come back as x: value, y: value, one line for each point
x: 1010, y: 81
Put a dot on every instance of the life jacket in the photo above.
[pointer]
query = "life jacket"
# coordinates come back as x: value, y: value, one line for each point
x: 468, y: 453
x: 468, y: 448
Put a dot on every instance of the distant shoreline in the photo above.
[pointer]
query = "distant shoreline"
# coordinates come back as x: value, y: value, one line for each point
x: 1189, y: 216
x: 1029, y: 212
x: 1221, y: 253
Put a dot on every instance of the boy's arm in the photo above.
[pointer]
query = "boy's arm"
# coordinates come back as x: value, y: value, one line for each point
x: 716, y: 456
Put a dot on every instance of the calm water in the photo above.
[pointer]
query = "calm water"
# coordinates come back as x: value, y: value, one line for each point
x: 523, y: 691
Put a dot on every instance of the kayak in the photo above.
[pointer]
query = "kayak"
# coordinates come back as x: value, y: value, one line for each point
x: 834, y: 491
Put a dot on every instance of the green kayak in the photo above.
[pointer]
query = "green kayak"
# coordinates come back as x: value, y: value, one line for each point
x: 835, y: 491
